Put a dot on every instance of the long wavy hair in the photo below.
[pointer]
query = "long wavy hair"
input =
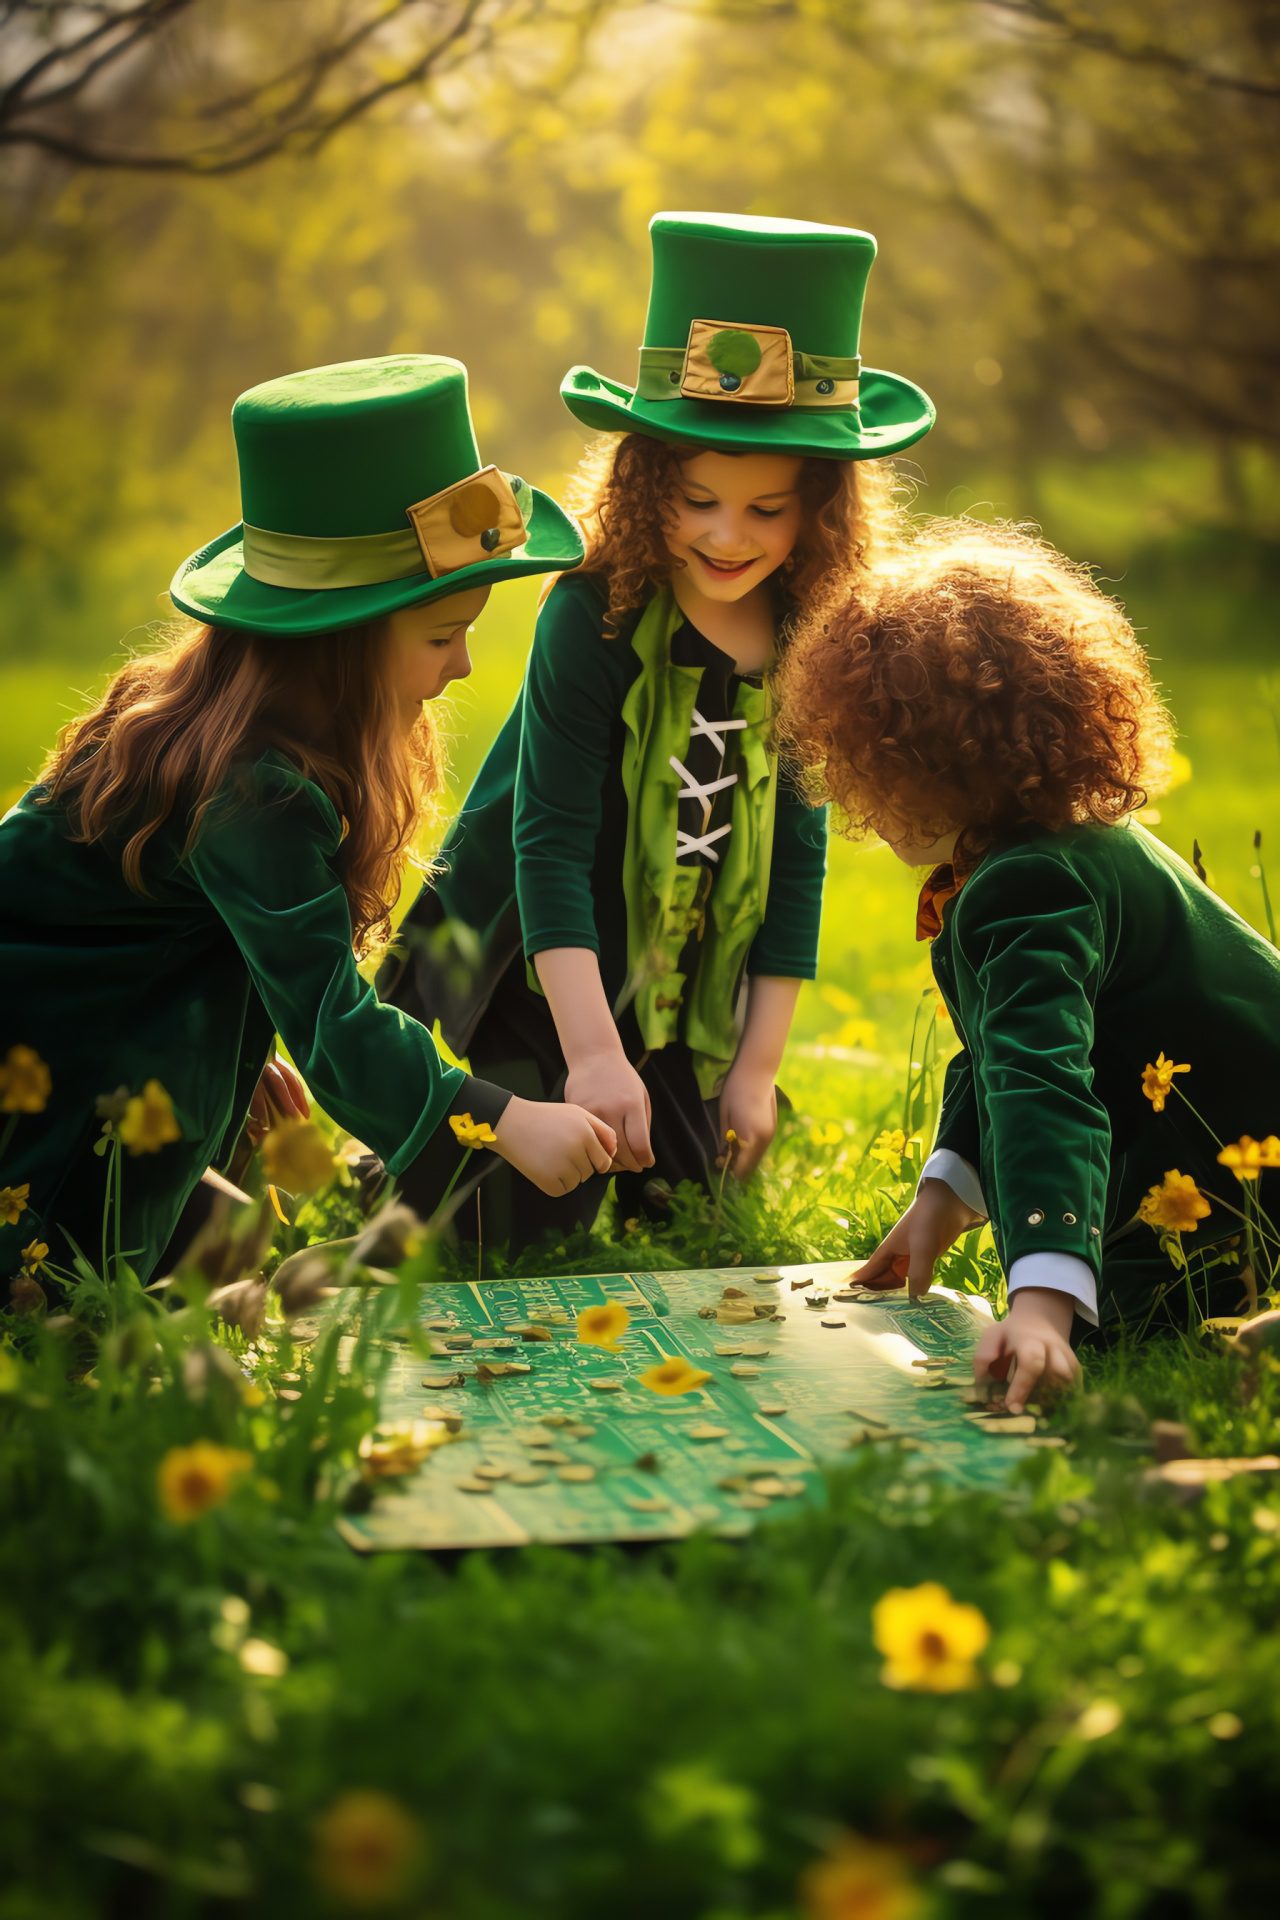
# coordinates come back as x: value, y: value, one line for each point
x: 623, y: 483
x: 985, y: 681
x: 173, y: 722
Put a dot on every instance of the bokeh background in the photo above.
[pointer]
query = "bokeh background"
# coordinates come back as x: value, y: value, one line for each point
x: 1077, y: 216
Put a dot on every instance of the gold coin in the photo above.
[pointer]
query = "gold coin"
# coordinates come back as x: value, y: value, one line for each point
x: 745, y: 1373
x: 491, y: 1470
x: 576, y: 1472
x: 707, y: 1433
x: 528, y: 1477
x: 606, y: 1386
x: 474, y: 1486
x: 772, y: 1408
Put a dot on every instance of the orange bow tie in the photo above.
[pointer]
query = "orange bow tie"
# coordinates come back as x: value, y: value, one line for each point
x: 942, y: 885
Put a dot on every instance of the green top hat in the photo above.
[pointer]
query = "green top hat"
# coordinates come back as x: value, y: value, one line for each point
x: 362, y: 491
x: 751, y: 344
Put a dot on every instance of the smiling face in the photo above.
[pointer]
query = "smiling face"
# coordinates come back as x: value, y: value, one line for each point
x: 732, y: 520
x: 427, y: 647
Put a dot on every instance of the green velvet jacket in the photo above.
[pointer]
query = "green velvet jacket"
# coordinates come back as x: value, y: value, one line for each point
x: 537, y: 855
x: 246, y: 937
x: 1068, y: 962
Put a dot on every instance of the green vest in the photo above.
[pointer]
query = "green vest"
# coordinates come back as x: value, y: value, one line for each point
x: 666, y: 903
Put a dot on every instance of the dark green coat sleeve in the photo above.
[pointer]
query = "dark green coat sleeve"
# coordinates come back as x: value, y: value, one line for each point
x: 1028, y: 950
x: 265, y: 859
x: 573, y: 694
x: 958, y: 1129
x: 787, y: 943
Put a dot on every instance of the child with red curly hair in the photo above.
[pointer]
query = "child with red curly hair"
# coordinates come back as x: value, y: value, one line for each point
x: 991, y: 716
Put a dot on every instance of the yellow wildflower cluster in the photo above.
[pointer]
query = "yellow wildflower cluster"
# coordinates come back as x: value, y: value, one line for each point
x: 1176, y: 1205
x: 1247, y: 1157
x: 929, y: 1641
x: 860, y: 1880
x: 13, y: 1203
x: 297, y: 1157
x: 603, y: 1326
x: 891, y: 1148
x: 148, y: 1122
x: 676, y: 1375
x: 193, y: 1479
x: 1157, y: 1080
x: 471, y: 1133
x: 34, y: 1255
x: 25, y: 1082
x: 368, y: 1846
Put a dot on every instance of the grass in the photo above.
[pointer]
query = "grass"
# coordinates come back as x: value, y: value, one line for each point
x: 699, y: 1731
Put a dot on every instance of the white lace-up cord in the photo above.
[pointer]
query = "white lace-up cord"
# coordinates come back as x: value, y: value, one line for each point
x: 713, y: 730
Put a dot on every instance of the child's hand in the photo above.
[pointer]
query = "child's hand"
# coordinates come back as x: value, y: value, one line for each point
x: 749, y: 1109
x: 555, y: 1146
x: 607, y: 1085
x: 1034, y: 1339
x: 935, y: 1218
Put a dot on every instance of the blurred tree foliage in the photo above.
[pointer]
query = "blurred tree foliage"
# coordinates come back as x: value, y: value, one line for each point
x: 1076, y: 207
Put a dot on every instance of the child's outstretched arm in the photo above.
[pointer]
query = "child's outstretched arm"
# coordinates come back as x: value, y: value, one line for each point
x: 748, y: 1099
x: 936, y: 1217
x: 601, y: 1078
x: 1034, y: 1340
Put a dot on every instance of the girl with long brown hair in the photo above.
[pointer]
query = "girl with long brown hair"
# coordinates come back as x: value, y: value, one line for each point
x: 634, y: 889
x: 209, y: 852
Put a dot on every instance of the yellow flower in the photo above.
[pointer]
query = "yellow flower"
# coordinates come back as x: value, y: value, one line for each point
x: 1175, y: 1205
x: 828, y: 1134
x: 13, y: 1203
x: 34, y: 1254
x: 367, y: 1846
x: 889, y: 1148
x: 149, y: 1122
x: 859, y: 1880
x: 1157, y: 1081
x: 929, y: 1640
x: 297, y: 1157
x: 471, y: 1133
x: 1248, y: 1156
x: 603, y: 1326
x: 193, y: 1479
x: 24, y: 1082
x: 676, y: 1375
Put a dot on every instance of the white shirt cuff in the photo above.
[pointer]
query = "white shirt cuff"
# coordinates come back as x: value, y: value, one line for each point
x: 1064, y: 1274
x: 957, y: 1174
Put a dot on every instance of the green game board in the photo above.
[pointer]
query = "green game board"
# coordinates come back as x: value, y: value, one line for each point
x: 819, y: 1382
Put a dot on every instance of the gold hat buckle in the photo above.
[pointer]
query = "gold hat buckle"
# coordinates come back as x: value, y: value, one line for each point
x: 475, y: 519
x: 731, y: 360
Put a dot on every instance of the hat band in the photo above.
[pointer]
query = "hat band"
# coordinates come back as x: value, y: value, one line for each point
x: 434, y: 543
x: 820, y: 381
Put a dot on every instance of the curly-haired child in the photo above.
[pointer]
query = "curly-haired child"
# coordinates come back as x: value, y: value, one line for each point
x: 990, y: 715
x: 629, y: 859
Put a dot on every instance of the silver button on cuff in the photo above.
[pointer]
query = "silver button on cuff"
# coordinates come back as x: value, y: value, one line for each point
x: 1035, y: 1218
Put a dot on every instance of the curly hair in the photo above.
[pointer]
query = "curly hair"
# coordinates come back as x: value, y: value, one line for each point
x: 984, y: 682
x: 172, y: 722
x: 620, y: 491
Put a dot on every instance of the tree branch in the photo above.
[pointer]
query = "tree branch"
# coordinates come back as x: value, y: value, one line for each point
x: 1144, y: 53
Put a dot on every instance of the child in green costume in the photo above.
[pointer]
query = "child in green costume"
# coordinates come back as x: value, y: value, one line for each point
x: 209, y: 850
x: 992, y: 717
x: 632, y: 893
